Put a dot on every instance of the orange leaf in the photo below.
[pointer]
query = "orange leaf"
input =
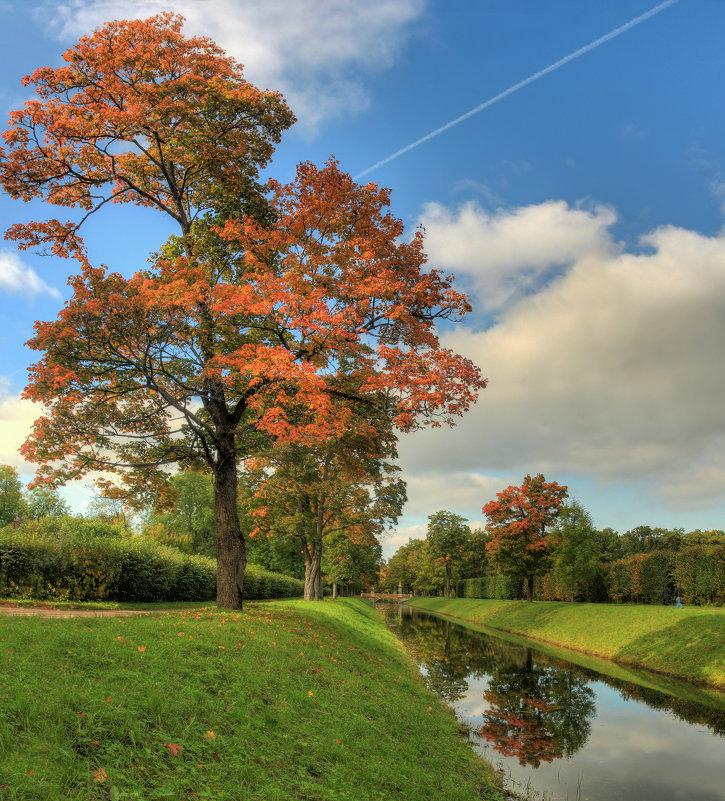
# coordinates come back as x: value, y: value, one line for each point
x: 100, y: 775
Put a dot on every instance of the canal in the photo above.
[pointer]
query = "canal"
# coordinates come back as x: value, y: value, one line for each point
x: 583, y: 730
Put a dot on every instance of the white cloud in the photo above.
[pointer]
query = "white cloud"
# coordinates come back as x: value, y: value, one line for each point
x: 18, y: 278
x: 16, y: 420
x: 510, y: 252
x: 314, y: 51
x: 613, y: 371
x: 452, y: 490
x: 395, y: 540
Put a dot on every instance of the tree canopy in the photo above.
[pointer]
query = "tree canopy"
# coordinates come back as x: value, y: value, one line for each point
x: 238, y: 332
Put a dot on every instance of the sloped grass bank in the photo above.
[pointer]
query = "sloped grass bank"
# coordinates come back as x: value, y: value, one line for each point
x: 286, y: 700
x: 686, y: 643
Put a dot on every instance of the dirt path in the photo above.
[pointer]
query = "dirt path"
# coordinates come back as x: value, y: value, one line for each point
x: 47, y: 611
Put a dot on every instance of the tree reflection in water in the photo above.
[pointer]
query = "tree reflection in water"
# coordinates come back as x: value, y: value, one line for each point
x: 536, y: 713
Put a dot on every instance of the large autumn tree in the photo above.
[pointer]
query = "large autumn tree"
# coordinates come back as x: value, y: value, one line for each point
x: 244, y: 314
x: 520, y: 522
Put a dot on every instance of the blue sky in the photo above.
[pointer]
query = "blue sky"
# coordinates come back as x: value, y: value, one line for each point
x: 583, y: 213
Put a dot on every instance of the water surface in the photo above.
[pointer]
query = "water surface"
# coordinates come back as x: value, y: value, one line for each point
x: 559, y: 730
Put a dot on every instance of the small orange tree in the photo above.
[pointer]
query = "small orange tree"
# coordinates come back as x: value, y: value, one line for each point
x: 246, y: 313
x: 520, y: 522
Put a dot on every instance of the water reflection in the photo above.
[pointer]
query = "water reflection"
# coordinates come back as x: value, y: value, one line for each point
x: 534, y: 710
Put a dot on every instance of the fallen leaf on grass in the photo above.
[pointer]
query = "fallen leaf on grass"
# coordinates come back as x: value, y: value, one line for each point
x: 173, y: 747
x: 100, y: 775
x: 142, y: 648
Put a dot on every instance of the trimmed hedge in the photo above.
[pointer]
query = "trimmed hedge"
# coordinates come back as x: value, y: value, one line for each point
x: 498, y: 587
x: 699, y: 569
x: 75, y: 562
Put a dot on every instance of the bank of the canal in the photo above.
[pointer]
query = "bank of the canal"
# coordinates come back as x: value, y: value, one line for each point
x: 685, y: 643
x: 286, y: 700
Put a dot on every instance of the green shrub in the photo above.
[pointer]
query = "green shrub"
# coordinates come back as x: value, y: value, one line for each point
x: 62, y: 560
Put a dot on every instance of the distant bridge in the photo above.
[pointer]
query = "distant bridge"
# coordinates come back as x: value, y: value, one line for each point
x: 386, y: 596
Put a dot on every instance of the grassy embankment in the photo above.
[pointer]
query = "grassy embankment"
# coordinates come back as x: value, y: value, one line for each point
x: 286, y: 700
x: 686, y: 643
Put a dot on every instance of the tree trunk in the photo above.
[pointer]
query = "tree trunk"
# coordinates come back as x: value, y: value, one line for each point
x: 529, y: 588
x: 231, y: 550
x: 334, y: 590
x: 313, y: 573
x: 448, y: 579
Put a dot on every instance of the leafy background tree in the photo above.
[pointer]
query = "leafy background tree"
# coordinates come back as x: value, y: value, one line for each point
x: 44, y: 502
x: 405, y: 566
x: 347, y: 486
x: 577, y: 554
x: 448, y: 540
x: 11, y: 495
x: 189, y: 523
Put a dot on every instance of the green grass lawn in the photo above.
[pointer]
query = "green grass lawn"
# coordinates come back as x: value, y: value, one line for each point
x: 687, y: 643
x: 286, y: 700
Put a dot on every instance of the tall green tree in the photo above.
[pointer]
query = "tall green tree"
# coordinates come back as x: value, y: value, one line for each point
x: 192, y: 515
x: 609, y: 545
x: 44, y: 502
x: 475, y: 559
x: 448, y: 539
x: 405, y: 566
x: 520, y: 522
x: 352, y: 561
x: 577, y: 555
x: 12, y: 503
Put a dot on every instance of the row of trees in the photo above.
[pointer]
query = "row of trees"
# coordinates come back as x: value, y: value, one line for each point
x: 287, y: 329
x: 531, y: 530
x: 19, y: 503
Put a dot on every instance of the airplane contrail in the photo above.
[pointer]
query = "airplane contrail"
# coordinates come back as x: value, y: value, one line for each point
x: 526, y: 81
